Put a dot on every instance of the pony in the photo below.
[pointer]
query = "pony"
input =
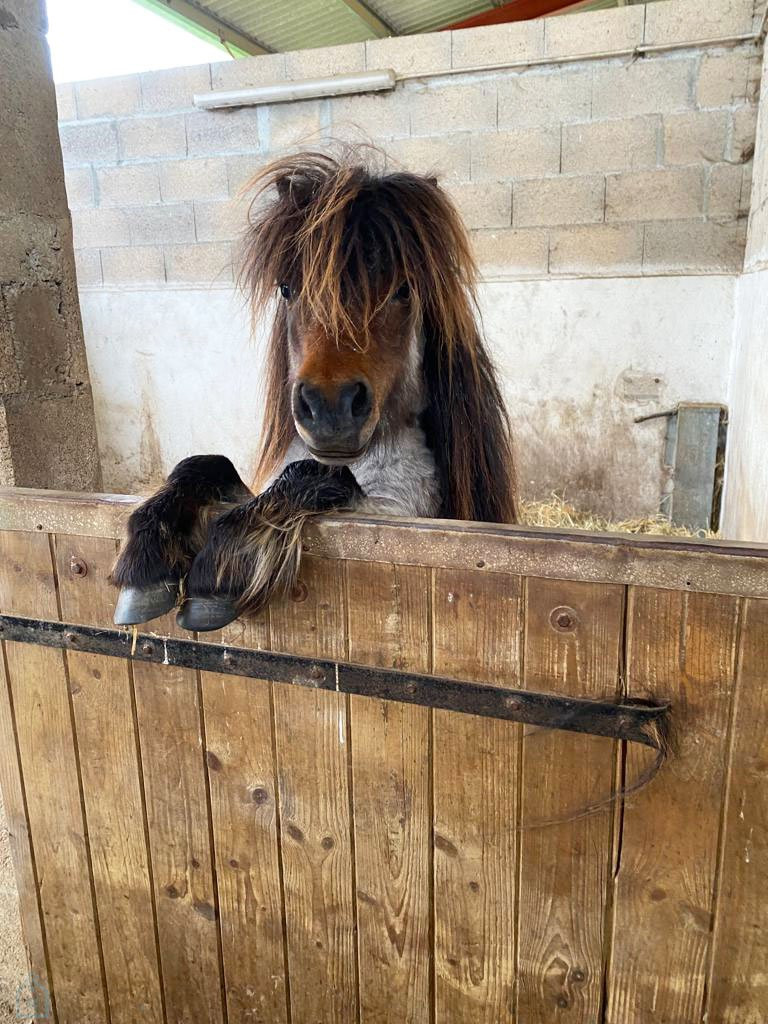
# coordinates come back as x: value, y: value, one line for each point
x: 380, y: 394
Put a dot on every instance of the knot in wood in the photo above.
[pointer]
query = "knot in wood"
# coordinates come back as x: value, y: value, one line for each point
x: 78, y: 567
x: 299, y: 592
x: 564, y: 619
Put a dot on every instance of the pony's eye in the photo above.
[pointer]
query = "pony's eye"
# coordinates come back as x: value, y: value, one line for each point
x: 285, y: 289
x: 403, y: 293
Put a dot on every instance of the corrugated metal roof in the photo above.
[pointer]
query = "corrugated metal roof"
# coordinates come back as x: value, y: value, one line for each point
x: 409, y: 16
x: 295, y: 25
x: 282, y: 25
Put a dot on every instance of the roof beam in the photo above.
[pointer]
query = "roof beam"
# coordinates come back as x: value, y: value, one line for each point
x: 515, y: 10
x: 377, y: 25
x: 183, y: 10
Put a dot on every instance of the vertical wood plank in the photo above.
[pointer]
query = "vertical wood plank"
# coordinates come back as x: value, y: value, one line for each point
x: 573, y: 639
x: 241, y: 772
x: 311, y: 731
x: 476, y: 635
x: 680, y: 647
x: 102, y: 702
x: 175, y: 784
x: 739, y: 985
x: 22, y: 855
x: 40, y: 694
x: 389, y: 626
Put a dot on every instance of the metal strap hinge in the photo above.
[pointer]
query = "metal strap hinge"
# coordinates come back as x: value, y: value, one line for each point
x: 638, y: 721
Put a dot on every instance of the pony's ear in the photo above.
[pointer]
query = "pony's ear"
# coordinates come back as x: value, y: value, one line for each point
x: 292, y: 186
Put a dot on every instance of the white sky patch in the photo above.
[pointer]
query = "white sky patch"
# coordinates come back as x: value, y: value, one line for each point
x: 100, y: 38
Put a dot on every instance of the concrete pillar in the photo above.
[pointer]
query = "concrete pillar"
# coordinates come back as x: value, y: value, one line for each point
x: 47, y: 426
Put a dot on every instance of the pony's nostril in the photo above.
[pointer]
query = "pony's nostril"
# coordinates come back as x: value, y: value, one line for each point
x: 361, y: 401
x: 304, y: 408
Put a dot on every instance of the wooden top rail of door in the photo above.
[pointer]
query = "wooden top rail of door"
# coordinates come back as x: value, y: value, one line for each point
x: 670, y: 563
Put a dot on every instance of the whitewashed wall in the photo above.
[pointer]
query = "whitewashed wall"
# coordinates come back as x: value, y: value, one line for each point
x: 175, y: 372
x: 746, y: 494
x: 605, y: 198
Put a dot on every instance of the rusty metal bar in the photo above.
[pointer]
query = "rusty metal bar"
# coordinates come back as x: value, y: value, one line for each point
x: 636, y: 721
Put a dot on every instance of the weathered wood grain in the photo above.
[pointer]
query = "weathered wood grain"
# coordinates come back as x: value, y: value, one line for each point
x: 311, y: 731
x: 102, y: 702
x: 260, y: 857
x: 175, y: 782
x: 573, y: 640
x: 41, y: 702
x: 22, y: 855
x: 739, y: 983
x: 477, y: 624
x: 87, y: 515
x: 691, y: 565
x: 389, y: 626
x: 681, y: 647
x: 241, y: 774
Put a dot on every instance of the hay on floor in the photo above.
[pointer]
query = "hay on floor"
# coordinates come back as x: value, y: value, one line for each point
x: 557, y: 512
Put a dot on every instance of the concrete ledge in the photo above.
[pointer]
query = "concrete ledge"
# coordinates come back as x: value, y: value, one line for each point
x: 678, y: 21
x: 613, y: 30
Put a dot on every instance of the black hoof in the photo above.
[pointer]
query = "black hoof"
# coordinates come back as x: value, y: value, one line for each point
x: 140, y: 604
x: 201, y: 614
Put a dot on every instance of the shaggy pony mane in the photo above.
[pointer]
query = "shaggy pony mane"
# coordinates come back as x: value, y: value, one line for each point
x: 346, y: 238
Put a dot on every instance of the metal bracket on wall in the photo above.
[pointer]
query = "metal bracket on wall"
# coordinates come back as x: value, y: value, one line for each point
x: 633, y: 720
x: 694, y: 456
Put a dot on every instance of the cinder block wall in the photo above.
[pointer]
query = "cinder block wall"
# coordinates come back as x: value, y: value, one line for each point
x: 746, y: 495
x: 600, y: 166
x: 628, y: 173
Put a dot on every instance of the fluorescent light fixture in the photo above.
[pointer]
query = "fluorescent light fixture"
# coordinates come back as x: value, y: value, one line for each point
x: 306, y: 89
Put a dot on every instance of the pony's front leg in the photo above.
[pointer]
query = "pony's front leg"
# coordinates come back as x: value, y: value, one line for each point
x: 253, y: 551
x: 166, y: 532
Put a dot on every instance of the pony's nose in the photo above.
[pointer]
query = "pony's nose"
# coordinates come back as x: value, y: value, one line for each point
x: 333, y: 422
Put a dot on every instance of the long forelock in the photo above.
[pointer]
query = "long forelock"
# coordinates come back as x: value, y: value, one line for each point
x: 346, y: 239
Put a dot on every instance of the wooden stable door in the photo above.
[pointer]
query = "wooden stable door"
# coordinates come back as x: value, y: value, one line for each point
x: 205, y: 848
